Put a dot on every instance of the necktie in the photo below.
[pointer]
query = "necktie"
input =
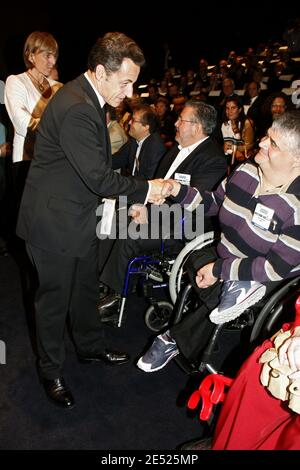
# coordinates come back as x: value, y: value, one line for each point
x: 136, y: 166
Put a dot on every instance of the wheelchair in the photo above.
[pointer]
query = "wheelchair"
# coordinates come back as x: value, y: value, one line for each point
x: 168, y: 274
x: 230, y: 343
x: 262, y: 321
x: 156, y: 316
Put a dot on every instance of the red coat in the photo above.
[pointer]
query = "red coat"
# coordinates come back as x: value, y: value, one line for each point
x: 251, y: 418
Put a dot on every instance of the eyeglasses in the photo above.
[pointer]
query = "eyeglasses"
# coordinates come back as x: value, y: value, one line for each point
x: 185, y: 120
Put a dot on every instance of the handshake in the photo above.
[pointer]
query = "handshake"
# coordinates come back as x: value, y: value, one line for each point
x: 161, y: 189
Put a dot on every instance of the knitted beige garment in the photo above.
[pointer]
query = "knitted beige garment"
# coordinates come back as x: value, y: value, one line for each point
x: 275, y: 377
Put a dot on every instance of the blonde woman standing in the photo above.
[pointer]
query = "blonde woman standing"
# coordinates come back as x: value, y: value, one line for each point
x: 26, y: 96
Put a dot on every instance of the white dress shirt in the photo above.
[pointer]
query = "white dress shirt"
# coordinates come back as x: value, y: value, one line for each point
x: 184, y: 152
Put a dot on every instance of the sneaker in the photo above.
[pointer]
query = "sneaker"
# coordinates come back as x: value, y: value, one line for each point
x: 163, y: 349
x: 236, y: 297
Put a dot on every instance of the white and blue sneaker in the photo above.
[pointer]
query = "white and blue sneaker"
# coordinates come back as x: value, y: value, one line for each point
x: 163, y: 349
x: 236, y: 297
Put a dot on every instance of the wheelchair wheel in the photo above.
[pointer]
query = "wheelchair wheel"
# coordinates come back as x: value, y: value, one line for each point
x: 177, y: 269
x: 276, y: 310
x: 157, y: 316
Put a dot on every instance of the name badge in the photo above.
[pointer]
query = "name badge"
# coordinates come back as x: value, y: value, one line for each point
x: 262, y: 216
x: 107, y: 216
x: 183, y: 178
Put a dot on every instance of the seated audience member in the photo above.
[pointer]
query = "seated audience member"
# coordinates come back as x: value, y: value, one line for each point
x: 237, y: 131
x: 203, y: 73
x: 281, y: 75
x: 271, y: 413
x: 273, y: 106
x: 167, y: 121
x: 178, y: 103
x: 259, y: 209
x: 253, y: 101
x: 237, y: 72
x: 173, y: 91
x: 258, y: 77
x: 152, y: 94
x: 141, y: 155
x: 163, y: 88
x: 227, y: 91
x: 198, y: 161
x: 223, y: 70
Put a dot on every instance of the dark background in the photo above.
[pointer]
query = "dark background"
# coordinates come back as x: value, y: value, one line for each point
x: 190, y: 29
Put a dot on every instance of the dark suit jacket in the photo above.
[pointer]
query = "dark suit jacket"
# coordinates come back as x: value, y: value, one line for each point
x: 149, y: 157
x: 71, y: 168
x: 254, y: 112
x: 206, y: 165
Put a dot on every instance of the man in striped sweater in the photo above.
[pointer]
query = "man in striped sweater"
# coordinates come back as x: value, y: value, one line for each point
x: 259, y: 213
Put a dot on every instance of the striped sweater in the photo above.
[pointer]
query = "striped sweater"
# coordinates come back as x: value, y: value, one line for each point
x: 247, y: 252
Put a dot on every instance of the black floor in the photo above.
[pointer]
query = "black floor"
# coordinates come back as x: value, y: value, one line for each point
x: 116, y: 407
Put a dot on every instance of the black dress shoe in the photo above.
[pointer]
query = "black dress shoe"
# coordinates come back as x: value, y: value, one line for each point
x: 112, y: 358
x: 110, y: 319
x: 58, y: 392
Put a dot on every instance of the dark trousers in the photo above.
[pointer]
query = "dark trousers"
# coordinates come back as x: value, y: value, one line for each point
x: 193, y: 332
x: 113, y: 267
x: 114, y: 255
x: 66, y: 286
x: 20, y: 172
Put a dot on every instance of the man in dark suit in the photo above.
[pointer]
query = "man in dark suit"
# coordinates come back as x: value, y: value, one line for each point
x: 197, y: 161
x: 57, y: 219
x: 140, y: 156
x: 253, y: 101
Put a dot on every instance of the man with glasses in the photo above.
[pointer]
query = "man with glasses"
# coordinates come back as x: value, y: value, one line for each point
x: 196, y: 161
x: 140, y: 156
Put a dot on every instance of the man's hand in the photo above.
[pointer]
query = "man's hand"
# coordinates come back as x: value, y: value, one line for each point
x: 289, y: 353
x: 175, y: 187
x: 227, y: 147
x: 205, y: 277
x: 139, y: 213
x: 160, y: 189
